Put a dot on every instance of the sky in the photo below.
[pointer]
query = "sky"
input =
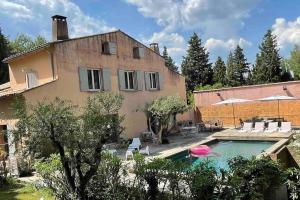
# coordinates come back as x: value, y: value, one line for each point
x: 221, y: 24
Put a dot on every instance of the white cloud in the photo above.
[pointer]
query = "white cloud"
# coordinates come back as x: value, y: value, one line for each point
x: 287, y: 32
x: 40, y: 11
x: 15, y: 10
x: 218, y: 18
x: 217, y: 44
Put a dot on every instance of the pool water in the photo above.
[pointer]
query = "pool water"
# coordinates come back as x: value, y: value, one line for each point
x: 226, y: 150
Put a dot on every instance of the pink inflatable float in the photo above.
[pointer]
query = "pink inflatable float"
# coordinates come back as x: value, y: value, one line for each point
x: 202, y: 151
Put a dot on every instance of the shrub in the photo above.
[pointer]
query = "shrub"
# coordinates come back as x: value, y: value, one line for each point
x: 293, y: 183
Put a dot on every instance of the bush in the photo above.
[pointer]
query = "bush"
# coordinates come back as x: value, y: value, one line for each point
x: 293, y: 183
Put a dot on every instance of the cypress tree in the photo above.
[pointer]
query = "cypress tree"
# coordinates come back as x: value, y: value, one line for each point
x: 237, y: 67
x: 267, y: 68
x: 4, y: 52
x: 195, y: 65
x: 219, y: 71
x: 169, y: 61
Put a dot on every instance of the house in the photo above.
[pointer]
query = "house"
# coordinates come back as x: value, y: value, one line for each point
x: 74, y: 68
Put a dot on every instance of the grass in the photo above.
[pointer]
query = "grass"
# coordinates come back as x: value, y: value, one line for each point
x: 24, y: 191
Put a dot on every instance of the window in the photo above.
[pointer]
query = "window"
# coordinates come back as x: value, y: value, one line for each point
x: 94, y: 79
x: 153, y: 80
x: 138, y: 52
x: 129, y: 80
x: 31, y: 79
x: 109, y: 48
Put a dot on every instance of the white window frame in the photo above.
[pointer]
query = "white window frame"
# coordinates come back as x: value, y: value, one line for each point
x: 93, y: 79
x: 128, y: 81
x: 151, y: 80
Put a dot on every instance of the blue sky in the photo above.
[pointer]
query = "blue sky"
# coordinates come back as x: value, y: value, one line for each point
x: 221, y: 24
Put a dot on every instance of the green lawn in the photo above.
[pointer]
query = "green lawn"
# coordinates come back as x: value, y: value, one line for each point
x: 22, y: 191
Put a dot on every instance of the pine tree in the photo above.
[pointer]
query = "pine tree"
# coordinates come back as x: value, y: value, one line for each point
x: 169, y: 61
x: 267, y: 68
x: 237, y: 68
x: 195, y: 65
x: 219, y: 71
x: 4, y: 52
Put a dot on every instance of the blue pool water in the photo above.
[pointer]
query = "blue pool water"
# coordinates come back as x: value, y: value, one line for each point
x: 226, y: 150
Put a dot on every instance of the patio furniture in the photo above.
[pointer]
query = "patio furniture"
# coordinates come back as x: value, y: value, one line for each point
x: 135, y: 144
x: 258, y: 127
x: 285, y: 127
x: 247, y: 127
x: 146, y: 136
x: 200, y: 126
x: 129, y: 153
x: 145, y: 151
x: 272, y: 127
x: 216, y: 125
x: 188, y: 130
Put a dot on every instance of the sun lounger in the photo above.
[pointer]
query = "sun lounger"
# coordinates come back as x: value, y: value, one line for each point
x: 285, y: 127
x: 247, y: 127
x: 272, y: 127
x: 145, y: 151
x: 135, y: 144
x: 258, y: 127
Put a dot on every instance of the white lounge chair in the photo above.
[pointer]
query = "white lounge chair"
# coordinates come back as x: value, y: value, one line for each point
x: 145, y: 151
x: 247, y: 127
x: 135, y: 144
x: 258, y: 127
x: 272, y: 127
x: 285, y: 127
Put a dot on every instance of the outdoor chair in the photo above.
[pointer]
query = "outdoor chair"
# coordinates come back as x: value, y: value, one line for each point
x: 135, y: 144
x: 258, y: 127
x: 247, y: 127
x: 285, y: 127
x: 272, y: 127
x: 145, y: 151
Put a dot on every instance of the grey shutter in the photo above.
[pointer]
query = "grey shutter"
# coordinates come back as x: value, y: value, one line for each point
x: 147, y: 80
x: 121, y: 79
x: 141, y: 52
x: 106, y: 79
x: 112, y: 47
x: 83, y: 79
x: 139, y: 80
x: 160, y: 80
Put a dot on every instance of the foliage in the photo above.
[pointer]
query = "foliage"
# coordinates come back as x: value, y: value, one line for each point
x: 219, y: 71
x: 4, y: 52
x: 165, y: 109
x: 293, y: 62
x: 77, y: 136
x: 191, y: 99
x: 3, y: 168
x: 169, y: 61
x: 255, y: 177
x: 267, y: 68
x: 209, y: 87
x: 24, y: 42
x: 237, y: 68
x: 195, y: 65
x: 293, y: 183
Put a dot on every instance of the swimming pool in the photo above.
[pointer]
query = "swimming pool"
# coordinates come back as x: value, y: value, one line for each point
x: 226, y: 150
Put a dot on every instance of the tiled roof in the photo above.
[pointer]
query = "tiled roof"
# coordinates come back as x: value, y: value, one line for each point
x: 10, y: 92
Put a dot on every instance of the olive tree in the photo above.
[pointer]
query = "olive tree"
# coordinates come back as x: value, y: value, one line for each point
x: 164, y: 111
x: 77, y: 135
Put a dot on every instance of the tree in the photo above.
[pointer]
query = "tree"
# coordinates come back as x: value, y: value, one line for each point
x: 4, y: 52
x: 77, y: 136
x: 164, y: 111
x: 169, y: 61
x: 293, y: 62
x: 219, y: 71
x: 196, y: 66
x: 267, y: 68
x: 237, y: 68
x: 24, y: 43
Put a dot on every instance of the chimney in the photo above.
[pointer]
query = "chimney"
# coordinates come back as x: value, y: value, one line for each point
x: 154, y: 47
x: 59, y: 28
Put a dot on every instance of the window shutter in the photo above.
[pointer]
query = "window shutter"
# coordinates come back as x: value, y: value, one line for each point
x: 31, y: 79
x: 83, y: 79
x: 112, y: 48
x: 147, y: 80
x: 121, y: 79
x: 106, y: 79
x: 138, y: 52
x: 139, y: 80
x: 160, y: 80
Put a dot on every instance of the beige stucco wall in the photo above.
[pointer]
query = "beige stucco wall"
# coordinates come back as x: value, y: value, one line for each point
x: 86, y: 52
